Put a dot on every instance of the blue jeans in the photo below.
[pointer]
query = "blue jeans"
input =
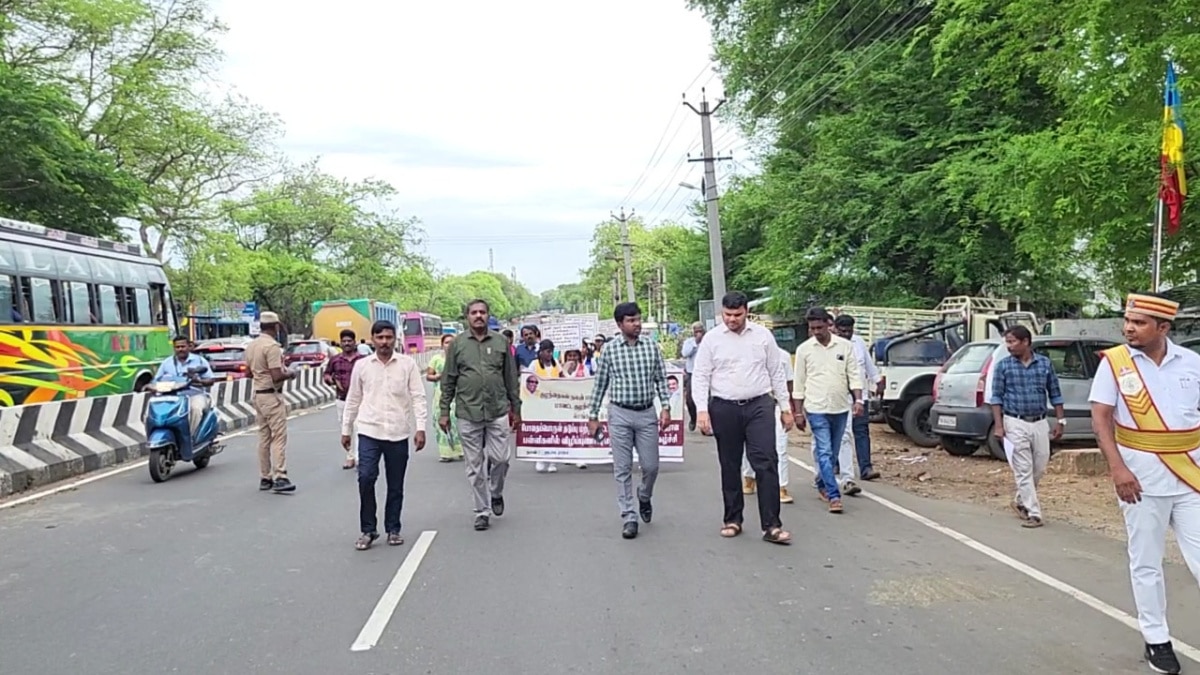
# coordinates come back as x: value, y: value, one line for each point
x: 395, y: 463
x: 861, y: 427
x: 827, y: 431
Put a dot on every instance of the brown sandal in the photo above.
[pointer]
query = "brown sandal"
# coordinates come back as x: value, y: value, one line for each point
x: 731, y: 530
x: 394, y: 539
x: 364, y: 542
x: 777, y: 535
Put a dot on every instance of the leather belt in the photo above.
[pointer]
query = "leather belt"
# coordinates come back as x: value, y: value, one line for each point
x: 742, y: 402
x: 633, y: 408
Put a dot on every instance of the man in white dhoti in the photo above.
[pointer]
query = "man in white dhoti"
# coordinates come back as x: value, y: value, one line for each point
x: 1146, y: 415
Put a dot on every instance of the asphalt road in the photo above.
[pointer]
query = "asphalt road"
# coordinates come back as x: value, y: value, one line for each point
x: 205, y: 574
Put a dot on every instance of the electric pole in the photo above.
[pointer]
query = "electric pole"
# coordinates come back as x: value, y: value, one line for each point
x: 626, y: 251
x: 492, y: 260
x: 716, y: 253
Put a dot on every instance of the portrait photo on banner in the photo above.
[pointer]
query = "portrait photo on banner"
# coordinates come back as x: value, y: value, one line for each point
x: 554, y: 414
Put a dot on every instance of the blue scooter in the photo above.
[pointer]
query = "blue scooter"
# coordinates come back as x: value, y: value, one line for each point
x: 170, y: 437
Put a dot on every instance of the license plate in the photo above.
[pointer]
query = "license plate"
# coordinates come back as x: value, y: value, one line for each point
x: 948, y: 421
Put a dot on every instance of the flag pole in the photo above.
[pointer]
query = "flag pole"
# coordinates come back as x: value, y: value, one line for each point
x: 1156, y: 248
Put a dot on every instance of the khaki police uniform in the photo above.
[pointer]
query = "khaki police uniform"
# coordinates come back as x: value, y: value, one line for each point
x: 262, y: 354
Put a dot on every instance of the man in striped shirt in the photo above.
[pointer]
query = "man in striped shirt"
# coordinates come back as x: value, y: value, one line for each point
x: 634, y: 375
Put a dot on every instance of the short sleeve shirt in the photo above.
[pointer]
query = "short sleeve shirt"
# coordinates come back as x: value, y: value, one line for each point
x: 1175, y: 388
x: 262, y: 354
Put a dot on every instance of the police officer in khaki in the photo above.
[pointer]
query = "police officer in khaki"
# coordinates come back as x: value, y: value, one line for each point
x: 264, y: 358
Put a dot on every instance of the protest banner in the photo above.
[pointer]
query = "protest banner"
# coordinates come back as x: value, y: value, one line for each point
x: 554, y: 416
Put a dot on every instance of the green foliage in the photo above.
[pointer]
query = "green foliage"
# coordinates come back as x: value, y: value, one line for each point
x: 682, y: 253
x: 48, y: 173
x: 953, y: 147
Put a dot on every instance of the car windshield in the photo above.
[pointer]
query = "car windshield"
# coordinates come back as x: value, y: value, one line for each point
x: 225, y: 354
x: 970, y: 358
x: 305, y: 348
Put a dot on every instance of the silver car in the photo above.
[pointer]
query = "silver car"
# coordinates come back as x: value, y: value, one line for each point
x: 962, y: 420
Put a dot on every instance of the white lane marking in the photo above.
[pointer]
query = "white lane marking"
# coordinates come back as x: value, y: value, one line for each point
x: 1028, y: 570
x: 137, y: 464
x: 369, y: 635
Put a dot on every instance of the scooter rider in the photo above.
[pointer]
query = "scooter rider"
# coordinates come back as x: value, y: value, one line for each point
x: 185, y: 364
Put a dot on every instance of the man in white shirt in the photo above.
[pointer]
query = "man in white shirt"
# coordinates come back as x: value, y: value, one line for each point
x: 739, y: 379
x: 386, y: 397
x: 1144, y: 399
x: 856, y: 441
x: 688, y: 352
x: 749, y: 485
x: 828, y: 380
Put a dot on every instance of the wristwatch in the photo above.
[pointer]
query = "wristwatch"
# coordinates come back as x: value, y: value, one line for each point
x: 1062, y: 421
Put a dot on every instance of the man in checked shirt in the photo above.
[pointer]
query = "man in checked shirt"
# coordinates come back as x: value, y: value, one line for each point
x: 1020, y: 386
x: 634, y: 374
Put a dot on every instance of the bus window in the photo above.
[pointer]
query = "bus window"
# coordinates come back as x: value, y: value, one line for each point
x: 41, y: 299
x: 110, y: 311
x: 7, y: 314
x: 79, y: 306
x: 142, y: 298
x: 158, y: 304
x: 128, y: 304
x: 412, y: 327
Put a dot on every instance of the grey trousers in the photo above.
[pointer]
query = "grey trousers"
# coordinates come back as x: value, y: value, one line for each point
x: 628, y: 430
x: 487, y: 449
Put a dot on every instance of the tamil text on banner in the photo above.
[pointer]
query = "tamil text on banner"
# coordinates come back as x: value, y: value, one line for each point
x: 554, y: 416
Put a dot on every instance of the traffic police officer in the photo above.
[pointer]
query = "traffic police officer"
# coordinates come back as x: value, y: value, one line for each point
x: 264, y: 358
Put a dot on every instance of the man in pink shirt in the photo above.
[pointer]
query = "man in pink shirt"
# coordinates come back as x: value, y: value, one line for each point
x: 386, y: 395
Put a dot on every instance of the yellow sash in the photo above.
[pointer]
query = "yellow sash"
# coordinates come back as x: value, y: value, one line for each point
x: 551, y: 372
x: 1151, y: 433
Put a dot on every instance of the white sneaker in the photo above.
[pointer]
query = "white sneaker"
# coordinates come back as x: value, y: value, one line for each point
x: 552, y: 468
x: 540, y: 467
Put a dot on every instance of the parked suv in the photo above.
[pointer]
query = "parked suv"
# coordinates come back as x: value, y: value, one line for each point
x: 964, y: 422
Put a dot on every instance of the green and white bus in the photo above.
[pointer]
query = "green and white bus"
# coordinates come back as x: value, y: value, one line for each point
x: 79, y: 316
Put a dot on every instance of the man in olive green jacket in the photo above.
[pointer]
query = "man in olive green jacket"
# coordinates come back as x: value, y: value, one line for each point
x: 481, y: 379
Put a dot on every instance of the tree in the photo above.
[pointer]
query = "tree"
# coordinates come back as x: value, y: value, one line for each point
x: 134, y: 65
x: 312, y: 236
x: 681, y: 252
x: 48, y: 173
x: 917, y: 150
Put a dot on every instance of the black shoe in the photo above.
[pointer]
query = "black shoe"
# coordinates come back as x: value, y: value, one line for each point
x: 282, y: 485
x: 481, y: 523
x: 646, y: 509
x: 497, y: 506
x: 871, y: 474
x: 1161, y: 658
x: 630, y: 530
x: 692, y: 425
x: 265, y: 484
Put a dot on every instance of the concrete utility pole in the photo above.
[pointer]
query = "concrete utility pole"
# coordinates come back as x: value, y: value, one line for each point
x: 626, y: 250
x: 492, y: 260
x: 716, y: 253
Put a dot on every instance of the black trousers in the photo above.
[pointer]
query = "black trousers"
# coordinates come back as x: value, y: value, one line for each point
x: 749, y: 429
x: 395, y: 464
x: 689, y: 402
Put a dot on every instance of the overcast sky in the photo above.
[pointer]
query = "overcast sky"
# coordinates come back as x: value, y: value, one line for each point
x: 512, y: 126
